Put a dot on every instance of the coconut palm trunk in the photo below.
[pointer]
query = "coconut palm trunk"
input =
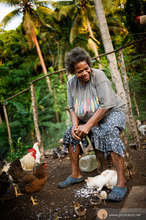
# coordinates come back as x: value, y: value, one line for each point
x: 115, y: 74
x: 30, y: 31
x: 34, y: 38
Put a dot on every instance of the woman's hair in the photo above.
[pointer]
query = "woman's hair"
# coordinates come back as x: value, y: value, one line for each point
x: 75, y: 56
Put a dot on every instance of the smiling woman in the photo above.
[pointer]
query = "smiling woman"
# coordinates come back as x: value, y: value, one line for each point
x: 97, y: 112
x: 4, y: 10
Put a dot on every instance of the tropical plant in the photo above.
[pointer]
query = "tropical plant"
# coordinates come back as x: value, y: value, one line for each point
x: 31, y: 20
x: 135, y: 57
x: 82, y: 15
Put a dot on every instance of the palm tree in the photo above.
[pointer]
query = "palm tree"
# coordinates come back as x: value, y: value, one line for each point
x: 83, y: 16
x: 58, y: 42
x: 108, y: 46
x: 30, y: 21
x: 115, y: 74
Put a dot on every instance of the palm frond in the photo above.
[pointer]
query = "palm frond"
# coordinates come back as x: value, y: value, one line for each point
x: 90, y: 45
x: 10, y: 16
x: 19, y: 106
x: 95, y: 40
x: 45, y: 124
x: 45, y: 11
x: 44, y: 98
x: 65, y: 11
x: 40, y: 13
x: 10, y: 2
x: 60, y: 4
x: 41, y: 3
x: 75, y: 28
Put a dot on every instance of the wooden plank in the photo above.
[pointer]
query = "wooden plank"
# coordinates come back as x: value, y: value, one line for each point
x: 136, y: 201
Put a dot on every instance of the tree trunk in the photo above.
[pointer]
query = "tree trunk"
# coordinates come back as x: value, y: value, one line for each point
x: 135, y: 104
x: 35, y: 119
x: 115, y: 74
x: 0, y: 119
x: 34, y: 38
x: 8, y: 128
x: 132, y: 123
x: 60, y: 61
x: 30, y: 32
x: 55, y: 102
x: 68, y: 115
x: 94, y: 46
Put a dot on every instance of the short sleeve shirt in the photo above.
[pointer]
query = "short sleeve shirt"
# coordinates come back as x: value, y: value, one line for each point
x: 86, y: 98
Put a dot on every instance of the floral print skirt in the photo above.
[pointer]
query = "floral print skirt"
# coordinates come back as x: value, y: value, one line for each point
x: 104, y: 137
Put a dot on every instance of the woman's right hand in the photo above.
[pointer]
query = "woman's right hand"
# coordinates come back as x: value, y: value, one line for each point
x: 74, y: 134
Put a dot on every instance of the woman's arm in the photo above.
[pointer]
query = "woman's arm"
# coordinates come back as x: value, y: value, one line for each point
x: 75, y: 123
x: 97, y: 116
x: 83, y: 130
x: 74, y: 117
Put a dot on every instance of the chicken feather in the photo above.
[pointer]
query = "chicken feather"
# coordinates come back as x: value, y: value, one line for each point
x: 28, y: 182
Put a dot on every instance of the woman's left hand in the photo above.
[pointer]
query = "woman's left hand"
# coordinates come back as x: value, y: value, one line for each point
x: 82, y: 130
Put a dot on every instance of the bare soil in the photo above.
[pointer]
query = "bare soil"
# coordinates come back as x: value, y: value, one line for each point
x: 55, y: 203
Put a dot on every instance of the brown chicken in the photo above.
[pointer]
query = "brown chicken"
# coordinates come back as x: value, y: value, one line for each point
x: 28, y: 182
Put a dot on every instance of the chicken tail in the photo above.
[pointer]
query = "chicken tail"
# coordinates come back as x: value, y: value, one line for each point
x: 15, y: 169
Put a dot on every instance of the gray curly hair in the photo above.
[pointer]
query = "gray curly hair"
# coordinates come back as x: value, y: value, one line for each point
x: 76, y: 55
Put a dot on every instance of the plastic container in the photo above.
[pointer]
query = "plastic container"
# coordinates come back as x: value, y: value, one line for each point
x: 88, y: 163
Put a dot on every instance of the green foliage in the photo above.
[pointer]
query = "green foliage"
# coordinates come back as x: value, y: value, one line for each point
x: 136, y: 71
x: 4, y: 144
x: 51, y: 130
x: 18, y: 152
x: 21, y: 119
x: 17, y: 67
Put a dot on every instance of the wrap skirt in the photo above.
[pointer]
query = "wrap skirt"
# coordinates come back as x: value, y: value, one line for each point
x: 104, y: 137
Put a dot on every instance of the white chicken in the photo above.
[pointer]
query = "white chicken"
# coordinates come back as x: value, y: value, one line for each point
x: 29, y: 160
x: 33, y: 156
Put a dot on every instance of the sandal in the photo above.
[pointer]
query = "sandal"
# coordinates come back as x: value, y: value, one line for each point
x: 117, y: 193
x: 70, y: 181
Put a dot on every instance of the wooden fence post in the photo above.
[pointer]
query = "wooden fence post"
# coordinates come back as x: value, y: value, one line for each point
x: 8, y: 128
x: 130, y: 114
x: 35, y: 119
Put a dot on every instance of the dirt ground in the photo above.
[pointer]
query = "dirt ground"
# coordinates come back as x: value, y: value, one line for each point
x: 55, y: 203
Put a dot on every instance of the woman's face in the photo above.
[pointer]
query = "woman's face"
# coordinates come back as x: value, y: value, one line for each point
x: 82, y: 71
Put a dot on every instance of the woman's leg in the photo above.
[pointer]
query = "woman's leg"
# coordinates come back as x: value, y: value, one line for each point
x: 118, y: 163
x: 103, y: 163
x: 74, y: 157
x: 100, y: 159
x: 76, y: 176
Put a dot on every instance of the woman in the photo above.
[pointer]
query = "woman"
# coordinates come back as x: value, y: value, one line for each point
x: 98, y: 112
